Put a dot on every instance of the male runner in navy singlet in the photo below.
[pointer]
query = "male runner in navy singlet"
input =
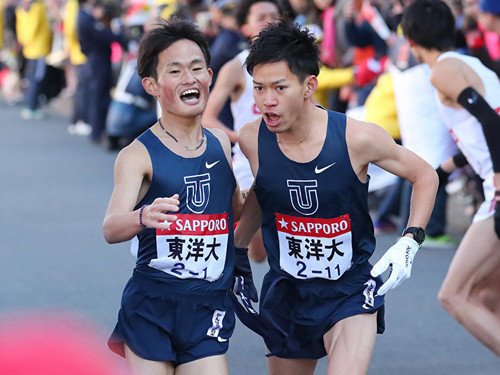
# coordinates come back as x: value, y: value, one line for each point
x: 175, y: 190
x: 321, y: 295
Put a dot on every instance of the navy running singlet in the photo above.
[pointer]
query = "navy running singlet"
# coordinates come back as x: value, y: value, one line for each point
x: 315, y: 218
x: 196, y: 251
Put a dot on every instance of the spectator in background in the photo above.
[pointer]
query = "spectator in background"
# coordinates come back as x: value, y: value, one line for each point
x: 229, y: 41
x: 132, y: 109
x: 299, y: 8
x: 318, y: 17
x: 35, y: 36
x: 95, y: 36
x: 12, y: 59
x: 55, y: 77
x: 490, y: 15
x: 2, y: 21
x: 226, y: 45
x: 163, y: 9
x: 327, y: 8
x: 476, y: 36
x: 9, y: 22
x: 79, y: 117
x: 367, y: 43
x: 348, y: 68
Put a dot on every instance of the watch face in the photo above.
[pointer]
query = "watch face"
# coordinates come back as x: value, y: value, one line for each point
x: 418, y: 234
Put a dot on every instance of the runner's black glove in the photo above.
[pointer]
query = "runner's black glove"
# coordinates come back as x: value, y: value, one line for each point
x: 243, y: 283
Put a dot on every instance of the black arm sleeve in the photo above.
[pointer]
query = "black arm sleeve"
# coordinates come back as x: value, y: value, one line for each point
x: 443, y: 176
x: 475, y: 104
x: 459, y: 160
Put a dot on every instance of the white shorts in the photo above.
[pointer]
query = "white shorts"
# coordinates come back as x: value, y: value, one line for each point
x: 487, y: 208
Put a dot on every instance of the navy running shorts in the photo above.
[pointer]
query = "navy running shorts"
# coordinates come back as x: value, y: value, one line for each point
x: 306, y: 309
x: 161, y: 324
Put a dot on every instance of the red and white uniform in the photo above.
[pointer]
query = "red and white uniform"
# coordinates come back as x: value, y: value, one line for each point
x: 468, y: 132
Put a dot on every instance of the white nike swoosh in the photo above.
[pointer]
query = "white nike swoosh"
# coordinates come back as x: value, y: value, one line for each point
x: 318, y: 171
x: 208, y: 166
x: 220, y: 339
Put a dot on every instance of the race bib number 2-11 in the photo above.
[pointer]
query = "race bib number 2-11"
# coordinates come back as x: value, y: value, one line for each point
x: 313, y: 247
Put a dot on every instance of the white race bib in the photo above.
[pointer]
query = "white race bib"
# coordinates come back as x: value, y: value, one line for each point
x: 314, y: 248
x: 194, y: 246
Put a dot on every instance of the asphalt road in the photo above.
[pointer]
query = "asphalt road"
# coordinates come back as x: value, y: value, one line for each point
x: 54, y: 192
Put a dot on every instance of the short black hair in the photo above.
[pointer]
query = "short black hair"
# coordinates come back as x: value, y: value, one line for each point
x: 162, y: 36
x: 286, y: 41
x: 243, y: 9
x: 430, y: 24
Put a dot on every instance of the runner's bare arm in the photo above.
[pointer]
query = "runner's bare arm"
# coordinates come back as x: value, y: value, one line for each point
x: 132, y: 174
x: 369, y: 143
x: 248, y: 139
x: 221, y: 92
x: 250, y: 219
x: 450, y: 77
x: 249, y: 222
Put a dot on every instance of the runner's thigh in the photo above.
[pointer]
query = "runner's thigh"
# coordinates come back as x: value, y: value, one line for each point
x: 477, y: 257
x: 290, y: 366
x: 349, y: 344
x: 141, y: 366
x: 213, y: 365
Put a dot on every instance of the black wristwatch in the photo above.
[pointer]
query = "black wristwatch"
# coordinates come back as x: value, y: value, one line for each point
x: 418, y: 234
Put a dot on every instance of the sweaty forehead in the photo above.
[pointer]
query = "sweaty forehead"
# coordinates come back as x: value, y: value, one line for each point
x: 263, y: 8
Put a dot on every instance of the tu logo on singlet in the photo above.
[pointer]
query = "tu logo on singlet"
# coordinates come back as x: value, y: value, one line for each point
x: 304, y: 196
x: 198, y: 192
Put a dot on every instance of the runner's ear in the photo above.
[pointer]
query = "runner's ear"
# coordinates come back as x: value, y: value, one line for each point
x: 311, y: 85
x: 149, y: 84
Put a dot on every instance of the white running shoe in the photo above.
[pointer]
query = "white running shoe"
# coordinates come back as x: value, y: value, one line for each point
x: 80, y: 128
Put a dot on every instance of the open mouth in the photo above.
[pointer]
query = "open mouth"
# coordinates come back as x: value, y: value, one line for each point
x: 191, y: 95
x: 272, y: 119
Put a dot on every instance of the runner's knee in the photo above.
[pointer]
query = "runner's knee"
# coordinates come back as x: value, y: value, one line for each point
x: 450, y: 299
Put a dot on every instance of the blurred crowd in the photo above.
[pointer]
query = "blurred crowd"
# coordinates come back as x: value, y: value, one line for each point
x: 85, y: 51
